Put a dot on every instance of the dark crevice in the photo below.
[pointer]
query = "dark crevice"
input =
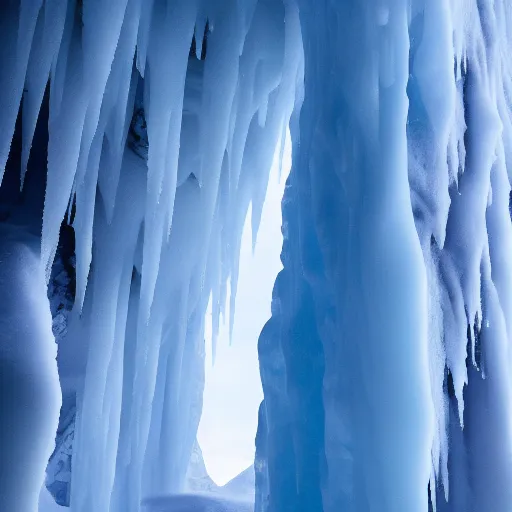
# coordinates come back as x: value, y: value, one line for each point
x: 204, y: 44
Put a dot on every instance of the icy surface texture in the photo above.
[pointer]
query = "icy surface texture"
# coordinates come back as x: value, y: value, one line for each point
x: 386, y: 364
x: 163, y: 117
x: 29, y: 386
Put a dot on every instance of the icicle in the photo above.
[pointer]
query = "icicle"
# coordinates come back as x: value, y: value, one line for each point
x: 118, y: 103
x: 84, y: 217
x: 142, y: 280
x: 115, y: 246
x: 17, y: 31
x: 47, y: 38
x: 143, y: 36
x: 60, y: 62
x: 233, y: 289
x: 214, y: 260
x: 65, y: 130
x: 199, y: 34
x: 170, y: 29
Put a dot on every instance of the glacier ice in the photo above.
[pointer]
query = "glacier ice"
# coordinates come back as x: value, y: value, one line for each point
x: 135, y: 136
x: 396, y: 222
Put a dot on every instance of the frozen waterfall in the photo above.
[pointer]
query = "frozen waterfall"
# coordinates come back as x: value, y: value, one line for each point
x: 386, y: 363
x: 136, y: 134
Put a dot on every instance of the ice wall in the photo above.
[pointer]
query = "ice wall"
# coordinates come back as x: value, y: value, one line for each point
x: 386, y: 363
x: 163, y: 117
x: 29, y: 386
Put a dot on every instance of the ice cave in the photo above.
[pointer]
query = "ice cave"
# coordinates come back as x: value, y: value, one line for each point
x: 274, y: 234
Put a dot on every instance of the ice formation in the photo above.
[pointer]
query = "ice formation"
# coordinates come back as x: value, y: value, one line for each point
x: 147, y: 128
x: 29, y: 386
x: 386, y: 363
x: 156, y: 147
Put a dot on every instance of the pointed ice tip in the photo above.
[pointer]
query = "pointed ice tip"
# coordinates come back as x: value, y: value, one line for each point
x: 214, y: 349
x: 22, y: 177
x: 144, y: 307
x: 3, y: 161
x: 460, y: 404
x: 199, y: 36
x: 255, y: 227
x: 199, y: 48
x: 47, y: 257
x: 47, y: 272
x: 254, y: 242
x: 231, y: 326
x: 78, y: 306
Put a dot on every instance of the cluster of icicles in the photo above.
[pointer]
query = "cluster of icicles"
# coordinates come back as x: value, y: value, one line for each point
x: 407, y: 101
x: 209, y: 126
x: 459, y: 149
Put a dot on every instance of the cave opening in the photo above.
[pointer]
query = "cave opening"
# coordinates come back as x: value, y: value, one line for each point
x: 233, y: 389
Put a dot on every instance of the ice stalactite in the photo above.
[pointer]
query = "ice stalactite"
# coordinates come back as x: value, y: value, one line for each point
x: 163, y: 119
x: 459, y: 143
x: 386, y: 363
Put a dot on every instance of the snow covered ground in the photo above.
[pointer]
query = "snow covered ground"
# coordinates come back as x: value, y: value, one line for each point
x: 391, y: 385
x: 195, y: 503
